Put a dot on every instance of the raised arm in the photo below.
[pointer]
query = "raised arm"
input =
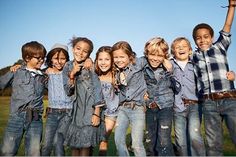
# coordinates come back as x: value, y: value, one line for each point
x: 229, y: 16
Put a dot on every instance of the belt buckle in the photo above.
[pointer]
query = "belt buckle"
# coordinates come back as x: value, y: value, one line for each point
x: 152, y: 105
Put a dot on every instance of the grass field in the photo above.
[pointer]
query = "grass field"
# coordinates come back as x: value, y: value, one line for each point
x: 229, y: 148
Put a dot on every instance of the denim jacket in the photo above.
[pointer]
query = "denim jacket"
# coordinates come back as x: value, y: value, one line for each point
x: 159, y: 88
x: 27, y: 89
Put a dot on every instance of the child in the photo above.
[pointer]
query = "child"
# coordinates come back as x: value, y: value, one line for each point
x: 105, y: 70
x: 85, y: 130
x: 132, y: 88
x: 160, y: 98
x: 59, y: 103
x: 218, y: 93
x: 28, y: 84
x: 187, y: 124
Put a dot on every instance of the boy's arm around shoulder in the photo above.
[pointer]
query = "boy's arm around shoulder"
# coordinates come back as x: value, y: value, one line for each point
x: 6, y: 79
x: 229, y: 16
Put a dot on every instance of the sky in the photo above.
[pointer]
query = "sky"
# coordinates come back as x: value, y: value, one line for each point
x: 105, y: 22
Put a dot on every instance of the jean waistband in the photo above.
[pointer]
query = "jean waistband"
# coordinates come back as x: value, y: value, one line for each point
x: 188, y: 102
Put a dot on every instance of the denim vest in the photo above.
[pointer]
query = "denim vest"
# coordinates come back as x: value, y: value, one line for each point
x: 159, y: 90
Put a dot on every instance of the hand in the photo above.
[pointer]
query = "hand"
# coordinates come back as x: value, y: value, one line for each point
x: 230, y: 75
x: 76, y: 68
x: 95, y: 120
x: 167, y: 64
x: 14, y: 68
x: 88, y: 64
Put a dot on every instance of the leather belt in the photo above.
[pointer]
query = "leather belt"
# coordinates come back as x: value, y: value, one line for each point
x: 50, y: 110
x: 128, y: 104
x: 220, y: 95
x: 152, y: 105
x: 189, y: 102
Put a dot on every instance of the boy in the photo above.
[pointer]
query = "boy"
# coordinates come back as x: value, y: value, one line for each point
x: 28, y: 84
x: 218, y: 93
x: 160, y: 98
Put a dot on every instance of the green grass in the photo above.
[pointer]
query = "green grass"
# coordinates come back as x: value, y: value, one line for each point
x: 229, y: 148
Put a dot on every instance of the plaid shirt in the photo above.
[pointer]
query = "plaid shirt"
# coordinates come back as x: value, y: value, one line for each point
x: 211, y: 66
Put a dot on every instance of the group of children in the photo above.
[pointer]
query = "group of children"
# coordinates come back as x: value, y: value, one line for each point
x: 87, y: 101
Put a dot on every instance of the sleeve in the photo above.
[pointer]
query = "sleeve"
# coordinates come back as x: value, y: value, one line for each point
x: 69, y: 88
x: 6, y: 80
x: 142, y: 61
x: 98, y: 95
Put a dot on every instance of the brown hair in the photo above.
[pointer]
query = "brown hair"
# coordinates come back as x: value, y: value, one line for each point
x: 153, y: 44
x: 48, y: 61
x: 107, y: 49
x: 31, y: 49
x: 125, y: 46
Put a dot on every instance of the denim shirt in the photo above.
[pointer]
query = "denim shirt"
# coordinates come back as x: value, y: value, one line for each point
x: 159, y: 87
x: 136, y: 86
x: 186, y: 78
x: 27, y: 89
x: 57, y: 97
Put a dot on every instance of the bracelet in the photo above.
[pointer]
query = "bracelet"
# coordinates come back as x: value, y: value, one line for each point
x: 231, y: 5
x: 96, y: 115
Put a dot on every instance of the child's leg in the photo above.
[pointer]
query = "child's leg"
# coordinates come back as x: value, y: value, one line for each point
x: 180, y: 129
x: 109, y: 127
x: 137, y: 122
x: 230, y: 117
x: 33, y: 137
x: 151, y: 132
x: 194, y: 130
x: 164, y: 144
x: 213, y: 128
x: 85, y: 152
x: 13, y: 134
x: 122, y: 124
x: 75, y: 152
x: 50, y: 131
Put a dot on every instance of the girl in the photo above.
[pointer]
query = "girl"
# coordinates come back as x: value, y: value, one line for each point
x: 132, y: 88
x: 85, y: 130
x: 105, y: 70
x: 59, y: 103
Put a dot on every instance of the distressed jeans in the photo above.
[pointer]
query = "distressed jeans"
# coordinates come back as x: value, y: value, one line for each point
x: 136, y: 118
x: 53, y: 140
x: 17, y: 126
x: 213, y: 113
x: 187, y: 129
x: 158, y: 132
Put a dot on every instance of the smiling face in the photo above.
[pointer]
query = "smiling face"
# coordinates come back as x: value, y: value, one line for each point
x: 81, y: 51
x: 58, y: 60
x: 104, y: 61
x: 35, y: 62
x: 203, y: 39
x: 155, y: 58
x: 121, y: 59
x: 182, y: 50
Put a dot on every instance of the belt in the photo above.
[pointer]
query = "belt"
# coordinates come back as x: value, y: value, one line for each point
x: 220, y: 95
x: 128, y: 104
x: 189, y: 102
x: 152, y: 105
x: 50, y: 110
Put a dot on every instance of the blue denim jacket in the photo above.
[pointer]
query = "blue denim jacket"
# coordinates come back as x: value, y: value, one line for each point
x: 136, y: 85
x: 159, y: 88
x: 27, y: 89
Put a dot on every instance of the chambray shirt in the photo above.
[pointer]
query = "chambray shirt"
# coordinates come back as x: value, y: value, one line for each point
x: 136, y: 85
x: 186, y: 78
x: 159, y: 86
x: 27, y: 89
x: 211, y: 66
x: 57, y: 97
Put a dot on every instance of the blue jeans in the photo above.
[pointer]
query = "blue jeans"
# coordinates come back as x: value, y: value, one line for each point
x: 158, y: 132
x: 213, y: 113
x: 187, y: 129
x: 17, y: 126
x: 136, y: 118
x: 52, y: 138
